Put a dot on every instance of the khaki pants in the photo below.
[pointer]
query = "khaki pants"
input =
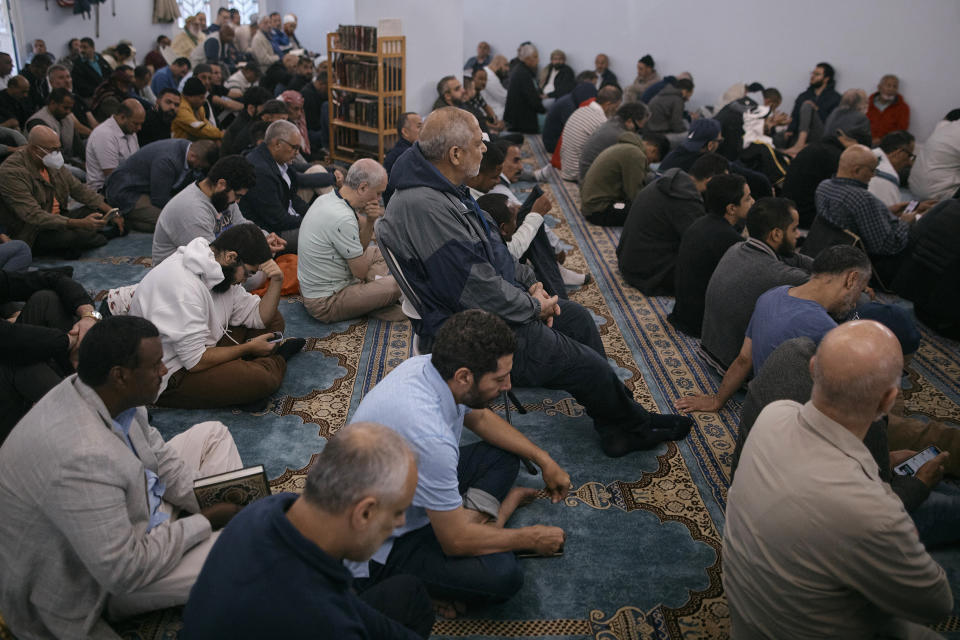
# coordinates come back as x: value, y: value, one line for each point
x: 236, y: 382
x: 143, y: 216
x: 209, y: 449
x: 375, y: 297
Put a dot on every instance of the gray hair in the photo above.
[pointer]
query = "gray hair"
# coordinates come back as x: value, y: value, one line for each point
x: 56, y: 67
x: 280, y: 129
x: 365, y: 170
x: 361, y: 460
x: 435, y: 141
x: 526, y: 51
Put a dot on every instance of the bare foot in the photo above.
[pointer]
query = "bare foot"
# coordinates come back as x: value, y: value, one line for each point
x: 516, y: 498
x: 792, y: 151
x: 448, y: 610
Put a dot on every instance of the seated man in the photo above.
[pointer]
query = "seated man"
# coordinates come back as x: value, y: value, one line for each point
x: 107, y: 537
x: 478, y: 61
x: 631, y: 116
x: 812, y: 108
x: 666, y: 109
x: 887, y: 110
x: 156, y: 126
x: 15, y: 105
x: 453, y: 259
x: 838, y: 276
x: 273, y: 202
x: 341, y: 276
x: 206, y: 208
x: 523, y: 97
x: 850, y: 117
x: 58, y: 115
x: 656, y: 220
x: 37, y: 214
x: 495, y: 93
x: 253, y: 100
x: 146, y: 181
x: 169, y: 77
x: 192, y: 121
x: 704, y: 243
x: 556, y: 79
x: 605, y: 77
x: 815, y: 542
x: 242, y: 140
x: 703, y: 137
x: 282, y: 556
x: 561, y: 110
x: 765, y: 260
x: 408, y: 131
x: 845, y: 203
x: 475, y: 101
x: 218, y: 340
x: 455, y: 537
x: 817, y: 162
x: 40, y: 348
x: 936, y: 174
x: 930, y: 274
x: 112, y: 142
x: 582, y: 124
x: 615, y: 177
x: 646, y: 76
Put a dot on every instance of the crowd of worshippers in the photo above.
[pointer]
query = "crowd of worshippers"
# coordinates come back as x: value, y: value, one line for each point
x: 399, y: 522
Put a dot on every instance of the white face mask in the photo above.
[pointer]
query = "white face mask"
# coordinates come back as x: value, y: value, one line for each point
x: 53, y: 160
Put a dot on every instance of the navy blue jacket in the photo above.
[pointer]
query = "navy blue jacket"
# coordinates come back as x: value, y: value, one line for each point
x: 268, y: 202
x: 263, y: 579
x: 561, y: 110
x: 158, y: 170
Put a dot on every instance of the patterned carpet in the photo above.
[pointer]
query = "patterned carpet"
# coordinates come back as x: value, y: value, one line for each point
x: 644, y: 531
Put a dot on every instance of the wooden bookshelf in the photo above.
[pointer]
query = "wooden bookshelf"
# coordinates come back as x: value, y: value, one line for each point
x: 367, y: 93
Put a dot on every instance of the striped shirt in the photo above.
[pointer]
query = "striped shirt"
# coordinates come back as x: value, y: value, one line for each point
x: 847, y: 204
x: 582, y: 124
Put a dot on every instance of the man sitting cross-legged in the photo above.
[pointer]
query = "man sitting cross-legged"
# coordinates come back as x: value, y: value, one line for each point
x: 341, y: 276
x: 89, y: 493
x: 281, y: 558
x: 455, y: 538
x: 839, y: 275
x: 453, y: 259
x: 217, y: 345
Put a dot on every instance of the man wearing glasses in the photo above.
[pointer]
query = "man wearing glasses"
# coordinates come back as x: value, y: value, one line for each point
x: 273, y: 203
x: 896, y: 155
x: 220, y: 343
x: 35, y: 188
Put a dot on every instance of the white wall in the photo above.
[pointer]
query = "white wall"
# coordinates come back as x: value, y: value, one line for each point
x: 133, y: 22
x: 434, y: 42
x: 774, y: 43
x: 316, y: 18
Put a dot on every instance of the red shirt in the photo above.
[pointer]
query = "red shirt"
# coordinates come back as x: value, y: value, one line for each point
x: 896, y: 117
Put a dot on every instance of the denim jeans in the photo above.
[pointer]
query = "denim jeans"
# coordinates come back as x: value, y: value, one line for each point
x: 938, y: 517
x: 472, y: 579
x: 570, y: 357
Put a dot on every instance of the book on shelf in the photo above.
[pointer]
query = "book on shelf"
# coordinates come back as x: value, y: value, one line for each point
x: 354, y: 37
x: 354, y: 72
x: 362, y: 110
x: 241, y: 487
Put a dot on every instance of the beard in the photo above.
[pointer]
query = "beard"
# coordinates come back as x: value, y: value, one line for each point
x: 503, y: 74
x: 168, y: 116
x: 817, y: 85
x: 786, y: 250
x: 220, y: 201
x: 473, y: 399
x: 229, y: 277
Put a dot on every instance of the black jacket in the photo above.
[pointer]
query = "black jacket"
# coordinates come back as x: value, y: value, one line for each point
x: 268, y: 202
x: 85, y: 77
x: 22, y: 343
x: 523, y: 101
x: 815, y: 163
x: 826, y: 102
x: 563, y: 83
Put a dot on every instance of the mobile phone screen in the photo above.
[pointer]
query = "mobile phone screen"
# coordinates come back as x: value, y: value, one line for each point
x: 911, y: 466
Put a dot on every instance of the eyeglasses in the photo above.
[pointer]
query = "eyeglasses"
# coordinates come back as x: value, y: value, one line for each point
x: 295, y: 147
x: 910, y: 155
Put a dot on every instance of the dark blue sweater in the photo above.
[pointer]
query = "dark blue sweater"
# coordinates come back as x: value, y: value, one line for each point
x: 263, y: 579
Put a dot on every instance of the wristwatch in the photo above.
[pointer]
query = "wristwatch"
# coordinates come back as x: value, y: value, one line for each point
x: 92, y: 314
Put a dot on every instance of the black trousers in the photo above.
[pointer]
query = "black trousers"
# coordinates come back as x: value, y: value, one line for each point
x: 23, y: 384
x: 403, y: 599
x: 612, y: 216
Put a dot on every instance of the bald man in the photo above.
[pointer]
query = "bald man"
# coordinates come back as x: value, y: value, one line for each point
x: 112, y: 142
x: 815, y: 543
x: 35, y: 188
x: 845, y: 203
x: 15, y: 108
x: 453, y: 259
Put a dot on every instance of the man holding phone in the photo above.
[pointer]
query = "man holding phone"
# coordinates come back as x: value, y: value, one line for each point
x: 35, y: 188
x: 205, y: 317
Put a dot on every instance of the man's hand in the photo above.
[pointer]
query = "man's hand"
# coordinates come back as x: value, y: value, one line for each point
x: 93, y: 222
x: 546, y: 541
x: 220, y: 514
x: 897, y: 209
x: 73, y: 347
x: 272, y: 271
x: 118, y: 222
x: 932, y: 471
x: 549, y: 307
x: 557, y: 481
x: 83, y: 325
x: 925, y: 206
x: 372, y: 210
x: 259, y: 347
x: 338, y: 177
x: 702, y: 402
x: 4, y: 238
x: 900, y: 455
x: 542, y: 205
x: 276, y: 243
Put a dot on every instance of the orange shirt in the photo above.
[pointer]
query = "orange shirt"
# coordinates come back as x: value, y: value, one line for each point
x: 56, y: 205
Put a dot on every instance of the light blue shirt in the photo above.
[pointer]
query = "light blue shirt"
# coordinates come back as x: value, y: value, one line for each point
x: 414, y: 401
x: 155, y: 486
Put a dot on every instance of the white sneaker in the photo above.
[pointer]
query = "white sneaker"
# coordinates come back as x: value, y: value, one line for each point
x: 544, y: 173
x: 572, y: 278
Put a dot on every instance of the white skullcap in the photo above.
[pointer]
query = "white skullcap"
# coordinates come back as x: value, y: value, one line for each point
x: 289, y: 18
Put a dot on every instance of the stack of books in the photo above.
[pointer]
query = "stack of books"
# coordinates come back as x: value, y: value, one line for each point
x: 354, y: 37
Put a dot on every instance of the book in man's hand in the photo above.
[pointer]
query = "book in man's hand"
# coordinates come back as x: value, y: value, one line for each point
x: 240, y: 487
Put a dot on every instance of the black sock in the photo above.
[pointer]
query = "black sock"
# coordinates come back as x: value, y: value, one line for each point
x: 290, y: 348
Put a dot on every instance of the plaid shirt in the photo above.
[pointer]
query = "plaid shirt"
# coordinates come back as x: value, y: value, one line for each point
x: 847, y: 204
x: 478, y: 103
